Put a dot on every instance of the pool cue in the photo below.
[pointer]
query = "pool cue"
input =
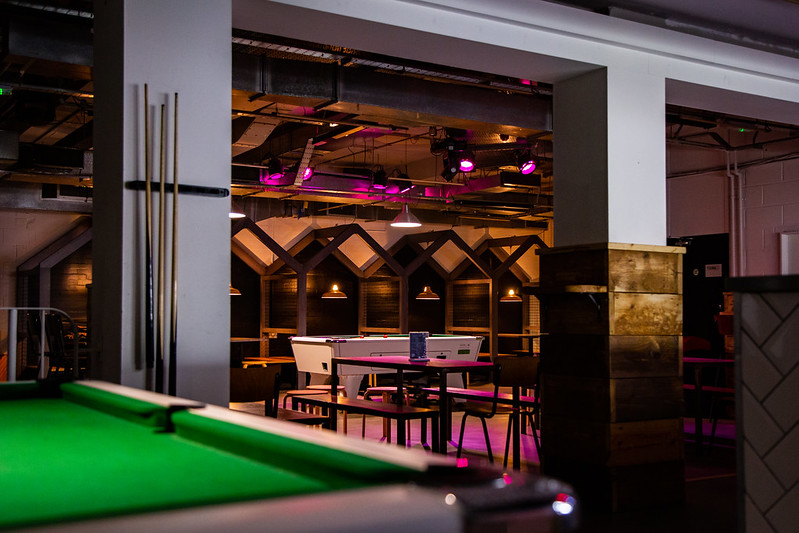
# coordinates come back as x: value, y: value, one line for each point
x: 159, y: 345
x: 173, y: 310
x: 149, y: 334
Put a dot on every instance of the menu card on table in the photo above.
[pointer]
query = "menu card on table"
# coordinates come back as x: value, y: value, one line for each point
x: 418, y: 341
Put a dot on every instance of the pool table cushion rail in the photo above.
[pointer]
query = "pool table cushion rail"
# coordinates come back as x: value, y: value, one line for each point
x: 322, y: 449
x: 142, y: 407
x: 138, y: 406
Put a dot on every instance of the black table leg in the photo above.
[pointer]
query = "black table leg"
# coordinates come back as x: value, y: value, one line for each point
x: 698, y: 430
x: 434, y: 424
x: 444, y: 413
x: 515, y: 428
x: 333, y: 414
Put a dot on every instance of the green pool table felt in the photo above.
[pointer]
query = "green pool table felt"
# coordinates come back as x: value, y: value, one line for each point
x: 65, y: 460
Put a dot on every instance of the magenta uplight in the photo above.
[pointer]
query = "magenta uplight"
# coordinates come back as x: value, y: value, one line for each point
x: 306, y: 175
x: 466, y: 165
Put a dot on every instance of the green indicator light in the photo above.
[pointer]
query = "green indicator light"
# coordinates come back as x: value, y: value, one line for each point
x: 741, y: 130
x: 2, y: 91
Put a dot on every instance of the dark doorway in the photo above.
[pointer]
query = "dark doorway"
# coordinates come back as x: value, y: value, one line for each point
x: 705, y: 267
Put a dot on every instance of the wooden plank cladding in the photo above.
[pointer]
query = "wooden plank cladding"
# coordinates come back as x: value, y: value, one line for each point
x: 611, y: 371
x: 612, y: 400
x: 619, y: 267
x: 615, y: 444
x: 617, y: 356
x: 613, y: 313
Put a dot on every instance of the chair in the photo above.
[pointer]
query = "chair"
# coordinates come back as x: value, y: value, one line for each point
x: 58, y: 362
x: 479, y: 410
x: 522, y: 372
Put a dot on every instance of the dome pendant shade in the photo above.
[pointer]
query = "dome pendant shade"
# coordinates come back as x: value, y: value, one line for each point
x: 334, y: 293
x: 511, y: 297
x: 427, y: 294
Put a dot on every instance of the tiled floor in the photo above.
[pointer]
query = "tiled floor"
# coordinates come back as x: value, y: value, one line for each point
x: 710, y: 504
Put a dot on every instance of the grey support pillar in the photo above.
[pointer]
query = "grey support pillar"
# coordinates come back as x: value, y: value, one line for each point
x: 611, y: 382
x: 610, y: 158
x: 175, y: 46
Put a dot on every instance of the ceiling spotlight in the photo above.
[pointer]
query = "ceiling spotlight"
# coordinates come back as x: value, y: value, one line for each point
x: 525, y: 162
x: 274, y: 170
x: 405, y: 219
x: 380, y: 179
x: 466, y: 161
x: 527, y: 166
x: 451, y: 167
x: 403, y: 181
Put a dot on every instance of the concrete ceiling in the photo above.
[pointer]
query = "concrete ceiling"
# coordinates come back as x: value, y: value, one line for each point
x: 350, y: 115
x: 762, y: 24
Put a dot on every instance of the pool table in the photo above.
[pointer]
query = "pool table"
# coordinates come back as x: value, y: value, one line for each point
x: 95, y: 456
x: 313, y: 354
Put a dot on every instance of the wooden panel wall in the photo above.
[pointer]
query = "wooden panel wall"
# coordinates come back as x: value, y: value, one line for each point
x: 470, y: 304
x: 382, y: 308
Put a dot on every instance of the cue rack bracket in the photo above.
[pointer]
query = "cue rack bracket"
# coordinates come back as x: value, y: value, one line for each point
x: 197, y: 190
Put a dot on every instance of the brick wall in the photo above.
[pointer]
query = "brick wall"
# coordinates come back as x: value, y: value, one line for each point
x: 771, y: 206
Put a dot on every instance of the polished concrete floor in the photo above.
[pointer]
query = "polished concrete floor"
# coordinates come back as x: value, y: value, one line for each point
x: 710, y: 503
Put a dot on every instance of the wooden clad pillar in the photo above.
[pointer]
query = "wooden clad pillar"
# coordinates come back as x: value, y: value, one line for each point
x: 611, y: 372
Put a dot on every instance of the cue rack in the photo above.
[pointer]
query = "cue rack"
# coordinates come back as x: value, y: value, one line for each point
x: 160, y: 345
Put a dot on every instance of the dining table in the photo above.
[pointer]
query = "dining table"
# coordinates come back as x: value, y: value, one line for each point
x: 401, y: 364
x: 698, y: 364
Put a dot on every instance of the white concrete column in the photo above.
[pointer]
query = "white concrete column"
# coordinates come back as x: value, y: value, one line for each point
x: 610, y: 158
x: 174, y: 46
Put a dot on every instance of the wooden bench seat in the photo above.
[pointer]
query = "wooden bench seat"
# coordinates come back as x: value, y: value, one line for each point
x: 391, y: 411
x: 503, y: 398
x: 300, y: 417
x: 710, y: 388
